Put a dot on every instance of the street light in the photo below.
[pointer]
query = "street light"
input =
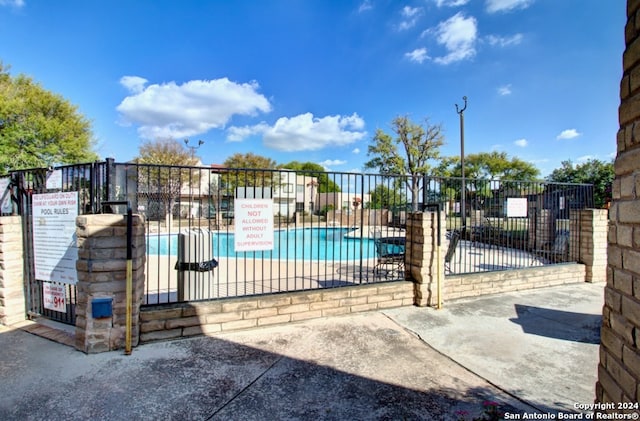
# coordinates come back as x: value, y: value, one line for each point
x: 193, y: 148
x: 463, y: 194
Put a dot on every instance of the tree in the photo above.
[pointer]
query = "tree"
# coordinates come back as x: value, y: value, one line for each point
x: 39, y: 128
x: 249, y: 170
x: 384, y: 197
x: 249, y: 161
x: 165, y: 152
x: 481, y: 168
x: 593, y: 171
x: 163, y: 174
x: 409, y: 153
x: 325, y: 185
x: 489, y: 165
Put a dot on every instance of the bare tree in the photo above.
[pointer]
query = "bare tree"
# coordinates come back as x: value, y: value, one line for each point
x: 409, y: 153
x: 163, y: 175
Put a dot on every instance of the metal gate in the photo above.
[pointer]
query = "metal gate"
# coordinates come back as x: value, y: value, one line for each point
x: 86, y: 179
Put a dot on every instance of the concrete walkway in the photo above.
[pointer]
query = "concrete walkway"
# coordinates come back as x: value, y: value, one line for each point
x: 539, y: 345
x: 530, y: 351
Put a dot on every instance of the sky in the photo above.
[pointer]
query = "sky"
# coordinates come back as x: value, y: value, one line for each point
x: 312, y: 80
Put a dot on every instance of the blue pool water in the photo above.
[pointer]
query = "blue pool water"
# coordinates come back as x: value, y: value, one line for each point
x: 305, y: 243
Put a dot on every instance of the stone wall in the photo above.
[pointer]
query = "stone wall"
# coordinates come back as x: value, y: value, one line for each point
x: 189, y: 319
x: 619, y: 368
x: 12, y: 294
x: 102, y: 274
x: 473, y: 285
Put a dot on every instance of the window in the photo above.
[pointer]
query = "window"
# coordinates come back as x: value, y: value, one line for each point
x: 299, y: 206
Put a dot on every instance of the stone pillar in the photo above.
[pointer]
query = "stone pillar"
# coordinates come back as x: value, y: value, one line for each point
x: 421, y: 260
x: 101, y: 267
x: 477, y: 218
x: 12, y: 296
x: 619, y: 368
x: 588, y: 228
x: 545, y: 230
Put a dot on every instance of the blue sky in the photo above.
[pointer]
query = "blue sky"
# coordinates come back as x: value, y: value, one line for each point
x: 312, y: 80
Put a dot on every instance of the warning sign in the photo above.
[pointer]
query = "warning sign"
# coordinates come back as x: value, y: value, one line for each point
x: 55, y: 297
x: 254, y: 224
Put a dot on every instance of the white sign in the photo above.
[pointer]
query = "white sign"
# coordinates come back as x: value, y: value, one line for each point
x: 55, y: 297
x: 55, y: 248
x: 54, y: 180
x: 5, y: 196
x: 254, y: 224
x: 517, y: 207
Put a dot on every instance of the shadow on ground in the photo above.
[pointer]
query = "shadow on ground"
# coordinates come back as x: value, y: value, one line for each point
x: 558, y: 324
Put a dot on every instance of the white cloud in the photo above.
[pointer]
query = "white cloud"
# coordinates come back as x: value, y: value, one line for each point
x: 409, y: 12
x: 568, y: 134
x: 418, y: 55
x: 12, y: 3
x: 332, y: 162
x: 411, y: 15
x: 585, y: 158
x: 194, y: 107
x: 494, y: 6
x: 451, y: 3
x: 305, y: 132
x: 521, y: 142
x: 238, y: 134
x: 504, y: 90
x: 134, y: 84
x: 356, y: 151
x: 364, y: 6
x: 504, y: 41
x: 538, y: 161
x: 458, y: 34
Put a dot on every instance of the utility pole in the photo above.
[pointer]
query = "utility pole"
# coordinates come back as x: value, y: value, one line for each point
x: 463, y: 192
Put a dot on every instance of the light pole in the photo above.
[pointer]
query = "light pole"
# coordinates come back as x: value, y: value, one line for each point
x: 463, y: 193
x: 193, y: 148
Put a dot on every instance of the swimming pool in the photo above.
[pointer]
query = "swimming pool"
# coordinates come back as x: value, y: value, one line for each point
x: 303, y: 243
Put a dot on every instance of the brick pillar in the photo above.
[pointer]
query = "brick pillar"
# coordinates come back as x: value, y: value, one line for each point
x: 477, y: 218
x: 545, y: 229
x: 619, y: 368
x: 421, y: 256
x: 101, y: 267
x: 12, y: 297
x: 590, y: 226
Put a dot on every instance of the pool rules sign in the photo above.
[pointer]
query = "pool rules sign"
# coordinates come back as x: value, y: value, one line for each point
x: 55, y: 249
x: 254, y: 224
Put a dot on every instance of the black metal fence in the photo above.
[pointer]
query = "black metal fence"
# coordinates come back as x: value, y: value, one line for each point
x: 89, y: 181
x: 324, y: 229
x: 507, y: 224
